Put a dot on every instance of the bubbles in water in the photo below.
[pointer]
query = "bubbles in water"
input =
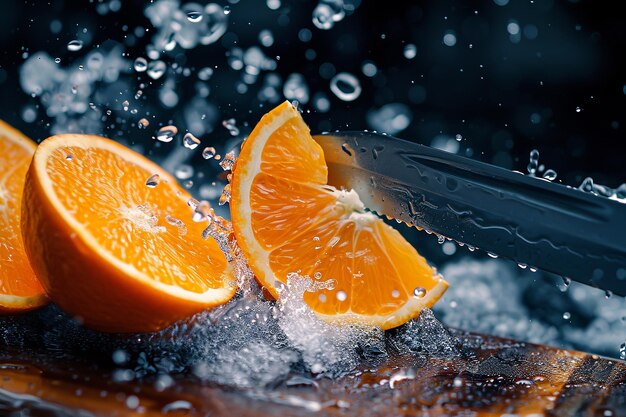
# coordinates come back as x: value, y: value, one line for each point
x: 341, y: 295
x: 143, y: 123
x: 75, y: 45
x: 166, y: 133
x: 622, y: 351
x: 208, y: 152
x: 295, y: 88
x: 140, y: 64
x: 410, y: 51
x: 345, y: 86
x: 231, y: 125
x: 156, y: 69
x: 567, y: 315
x: 153, y: 181
x: 578, y: 109
x: 327, y: 13
x: 190, y: 141
x: 391, y: 118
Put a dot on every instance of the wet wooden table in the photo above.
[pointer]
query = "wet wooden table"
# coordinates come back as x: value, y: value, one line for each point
x: 490, y: 377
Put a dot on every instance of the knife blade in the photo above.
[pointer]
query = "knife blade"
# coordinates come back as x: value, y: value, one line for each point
x: 531, y: 221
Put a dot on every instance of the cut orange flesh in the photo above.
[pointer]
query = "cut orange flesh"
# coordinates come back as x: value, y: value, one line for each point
x: 119, y: 254
x: 19, y: 288
x: 286, y: 219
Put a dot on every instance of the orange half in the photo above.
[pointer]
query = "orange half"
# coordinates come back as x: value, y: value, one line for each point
x: 287, y: 219
x: 19, y: 288
x: 112, y: 248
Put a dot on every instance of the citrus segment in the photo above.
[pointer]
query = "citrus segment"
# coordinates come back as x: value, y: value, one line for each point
x: 19, y: 288
x: 116, y: 250
x: 286, y: 219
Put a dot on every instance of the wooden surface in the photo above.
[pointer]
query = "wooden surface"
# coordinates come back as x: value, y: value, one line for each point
x: 489, y: 377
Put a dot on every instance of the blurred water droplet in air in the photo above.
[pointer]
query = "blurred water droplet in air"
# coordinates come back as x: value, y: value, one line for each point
x: 194, y: 16
x: 156, y: 69
x: 230, y: 124
x: 75, y: 45
x: 183, y: 172
x: 327, y: 13
x: 410, y: 51
x: 141, y: 64
x: 390, y: 118
x: 295, y: 88
x: 345, y: 86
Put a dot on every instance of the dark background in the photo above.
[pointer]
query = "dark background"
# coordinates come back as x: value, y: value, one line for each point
x: 486, y: 93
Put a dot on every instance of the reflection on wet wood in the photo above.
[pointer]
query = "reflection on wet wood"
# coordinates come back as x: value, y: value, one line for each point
x: 491, y: 377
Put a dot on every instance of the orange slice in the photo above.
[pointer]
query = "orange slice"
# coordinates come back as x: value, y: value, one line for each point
x: 112, y: 248
x: 286, y: 219
x: 19, y: 288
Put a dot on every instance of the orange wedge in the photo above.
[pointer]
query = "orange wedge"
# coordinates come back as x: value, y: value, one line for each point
x: 117, y: 251
x: 286, y: 219
x: 19, y: 288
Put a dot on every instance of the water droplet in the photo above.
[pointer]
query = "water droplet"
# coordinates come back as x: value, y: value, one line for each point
x: 327, y: 13
x: 208, y: 152
x: 57, y: 60
x: 550, y: 175
x: 226, y: 9
x: 69, y: 157
x: 567, y: 315
x: 225, y: 197
x: 75, y: 45
x: 230, y: 124
x: 156, y: 69
x: 153, y: 181
x: 395, y: 293
x: 578, y: 109
x: 190, y: 141
x: 141, y: 64
x: 167, y: 133
x: 183, y: 172
x: 441, y: 239
x: 608, y: 294
x: 622, y: 351
x: 341, y: 295
x: 194, y: 16
x: 143, y: 123
x: 410, y: 51
x: 492, y: 255
x: 419, y: 292
x: 345, y: 86
x: 533, y: 162
x: 205, y: 73
x: 228, y: 161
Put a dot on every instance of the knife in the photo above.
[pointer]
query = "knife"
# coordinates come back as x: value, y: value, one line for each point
x: 529, y: 220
